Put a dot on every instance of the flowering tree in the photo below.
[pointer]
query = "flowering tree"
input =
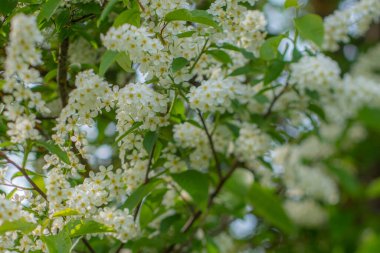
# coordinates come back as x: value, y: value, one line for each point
x: 189, y: 126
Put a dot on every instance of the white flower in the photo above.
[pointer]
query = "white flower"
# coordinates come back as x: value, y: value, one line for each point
x: 318, y: 73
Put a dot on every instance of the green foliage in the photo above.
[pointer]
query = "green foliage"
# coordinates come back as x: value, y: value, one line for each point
x: 179, y: 63
x: 107, y: 60
x: 54, y: 149
x: 310, y: 27
x: 17, y: 225
x: 48, y: 9
x: 267, y: 205
x: 196, y: 184
x: 77, y: 228
x: 196, y: 16
x: 59, y: 243
x: 269, y: 50
x: 7, y: 6
x: 291, y: 3
x: 130, y: 16
x: 140, y: 193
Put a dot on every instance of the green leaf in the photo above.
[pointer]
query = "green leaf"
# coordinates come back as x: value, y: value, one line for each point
x: 370, y: 243
x: 106, y: 11
x: 29, y: 172
x: 268, y: 206
x: 140, y: 193
x: 310, y: 27
x: 179, y: 63
x: 373, y: 190
x: 150, y: 139
x: 130, y: 130
x: 131, y: 16
x: 178, y: 109
x: 220, y: 55
x: 124, y: 61
x: 273, y: 71
x: 84, y: 227
x: 241, y: 71
x: 269, y: 50
x: 195, y: 16
x: 370, y: 117
x: 48, y: 9
x: 17, y: 225
x: 195, y: 183
x: 59, y: 243
x: 66, y: 212
x: 290, y: 3
x: 52, y: 148
x: 108, y: 58
x: 185, y: 34
x: 6, y: 144
x: 7, y: 6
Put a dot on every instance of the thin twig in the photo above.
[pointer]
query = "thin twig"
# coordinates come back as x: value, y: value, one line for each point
x: 199, y: 56
x: 211, y: 143
x: 88, y: 245
x: 275, y: 98
x: 146, y: 180
x: 191, y: 221
x: 25, y: 174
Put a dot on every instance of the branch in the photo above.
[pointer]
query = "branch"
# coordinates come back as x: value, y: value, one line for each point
x: 211, y: 142
x: 146, y: 180
x: 62, y: 71
x: 276, y: 97
x: 190, y: 222
x: 23, y: 172
x: 199, y: 56
x: 88, y: 245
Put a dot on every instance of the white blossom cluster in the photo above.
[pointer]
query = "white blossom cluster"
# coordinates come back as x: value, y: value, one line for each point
x: 318, y: 73
x: 120, y: 220
x: 22, y: 57
x: 191, y: 136
x: 153, y: 8
x: 141, y: 47
x: 355, y: 20
x: 367, y: 65
x: 217, y: 95
x: 11, y: 210
x: 251, y: 143
x: 242, y: 27
x: 306, y: 213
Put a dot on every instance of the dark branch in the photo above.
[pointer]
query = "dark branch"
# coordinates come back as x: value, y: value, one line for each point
x: 25, y: 174
x: 276, y: 97
x: 212, y: 146
x: 62, y: 71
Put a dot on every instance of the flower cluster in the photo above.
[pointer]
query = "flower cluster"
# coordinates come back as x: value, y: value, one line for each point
x: 119, y: 220
x: 241, y: 26
x: 318, y: 73
x: 217, y: 95
x: 354, y: 20
x: 251, y: 143
x: 366, y: 65
x: 22, y: 56
x: 306, y: 213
